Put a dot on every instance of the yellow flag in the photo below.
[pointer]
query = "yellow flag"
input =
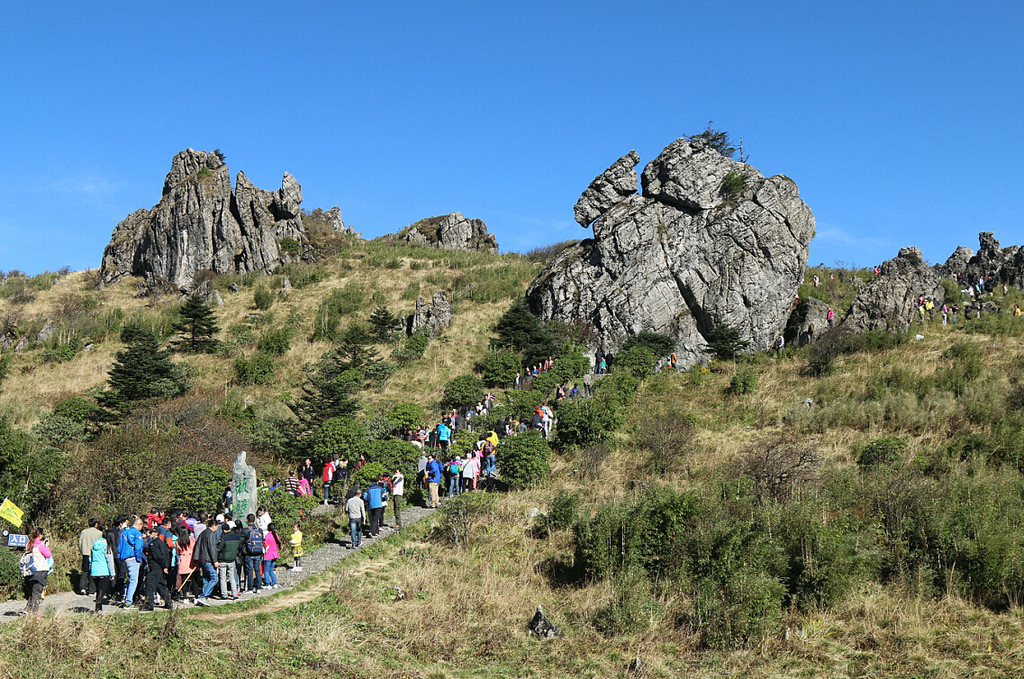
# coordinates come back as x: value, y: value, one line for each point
x: 11, y: 512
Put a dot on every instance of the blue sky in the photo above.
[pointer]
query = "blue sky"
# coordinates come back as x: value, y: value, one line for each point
x: 900, y: 122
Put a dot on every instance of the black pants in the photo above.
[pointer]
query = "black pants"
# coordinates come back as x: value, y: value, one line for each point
x: 85, y: 583
x: 102, y: 585
x: 156, y: 581
x: 375, y: 520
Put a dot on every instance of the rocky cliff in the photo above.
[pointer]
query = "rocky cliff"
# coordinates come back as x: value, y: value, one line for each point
x: 708, y: 241
x: 889, y: 301
x: 201, y: 224
x: 450, y: 232
x: 1002, y: 265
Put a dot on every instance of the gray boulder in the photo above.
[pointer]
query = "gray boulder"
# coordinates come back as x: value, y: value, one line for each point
x: 679, y: 262
x: 435, y: 318
x: 542, y: 628
x: 807, y: 321
x: 201, y: 224
x: 47, y: 331
x: 450, y: 232
x: 609, y: 188
x: 890, y: 300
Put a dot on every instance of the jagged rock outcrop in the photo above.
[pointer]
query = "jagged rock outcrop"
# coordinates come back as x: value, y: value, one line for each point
x: 693, y: 251
x: 1001, y: 265
x: 201, y: 224
x: 890, y: 300
x: 435, y: 318
x: 610, y: 187
x: 450, y: 232
x: 807, y: 321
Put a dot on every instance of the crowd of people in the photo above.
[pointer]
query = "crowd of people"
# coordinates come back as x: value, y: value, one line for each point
x: 156, y: 560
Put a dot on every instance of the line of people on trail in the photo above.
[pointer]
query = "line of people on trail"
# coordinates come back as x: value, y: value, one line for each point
x: 142, y: 562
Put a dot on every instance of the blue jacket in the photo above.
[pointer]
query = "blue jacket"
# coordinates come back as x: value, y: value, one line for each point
x: 375, y: 496
x: 433, y: 471
x: 130, y: 546
x: 98, y: 564
x: 444, y: 433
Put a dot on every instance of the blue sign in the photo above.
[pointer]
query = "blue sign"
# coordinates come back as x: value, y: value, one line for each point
x: 15, y: 540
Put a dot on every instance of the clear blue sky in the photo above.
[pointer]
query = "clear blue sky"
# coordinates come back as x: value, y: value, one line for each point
x: 900, y: 122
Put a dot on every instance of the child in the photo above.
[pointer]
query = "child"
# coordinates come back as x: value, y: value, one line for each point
x: 297, y: 547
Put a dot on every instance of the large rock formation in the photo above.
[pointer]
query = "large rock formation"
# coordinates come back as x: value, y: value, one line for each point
x: 451, y: 232
x: 200, y: 224
x: 700, y: 247
x: 890, y: 300
x: 434, y: 319
x: 1002, y: 265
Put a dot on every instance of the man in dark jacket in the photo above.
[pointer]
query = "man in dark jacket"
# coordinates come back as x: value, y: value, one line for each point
x: 205, y: 555
x: 227, y: 552
x: 375, y: 498
x: 159, y: 557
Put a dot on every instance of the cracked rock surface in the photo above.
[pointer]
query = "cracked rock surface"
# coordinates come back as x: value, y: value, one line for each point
x: 683, y: 256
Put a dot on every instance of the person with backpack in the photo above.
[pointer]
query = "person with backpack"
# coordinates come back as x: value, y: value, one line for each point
x: 129, y: 551
x: 159, y: 559
x: 375, y: 498
x: 35, y: 568
x: 356, y: 515
x: 454, y: 469
x: 227, y: 554
x: 205, y: 556
x: 271, y: 553
x: 253, y: 554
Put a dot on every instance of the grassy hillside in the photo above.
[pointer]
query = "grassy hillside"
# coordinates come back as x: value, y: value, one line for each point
x: 743, y: 518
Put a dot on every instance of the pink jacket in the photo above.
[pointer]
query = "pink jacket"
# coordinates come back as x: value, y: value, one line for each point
x: 43, y: 549
x: 270, y: 547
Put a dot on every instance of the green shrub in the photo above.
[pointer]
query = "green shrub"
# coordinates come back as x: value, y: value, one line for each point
x: 394, y: 454
x: 732, y: 185
x: 407, y: 415
x: 370, y: 472
x: 564, y: 510
x: 499, y: 368
x: 287, y: 509
x: 11, y: 581
x: 660, y: 345
x: 275, y: 342
x: 342, y: 436
x: 725, y: 341
x: 379, y: 372
x: 76, y: 409
x: 739, y: 611
x: 259, y: 369
x: 463, y: 390
x: 262, y: 298
x: 198, y: 486
x: 524, y: 460
x: 965, y: 362
x: 632, y: 609
x: 521, y: 403
x: 585, y: 421
x: 62, y: 352
x: 884, y: 451
x: 638, y: 362
x: 57, y: 430
x: 290, y: 245
x: 743, y: 382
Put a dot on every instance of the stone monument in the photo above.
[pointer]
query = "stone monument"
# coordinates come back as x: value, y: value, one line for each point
x: 243, y: 489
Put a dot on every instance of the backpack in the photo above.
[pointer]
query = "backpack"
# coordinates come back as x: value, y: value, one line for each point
x: 26, y: 565
x: 254, y: 543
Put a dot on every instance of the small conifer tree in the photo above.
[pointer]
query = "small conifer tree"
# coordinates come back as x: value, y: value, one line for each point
x: 141, y: 371
x: 197, y: 326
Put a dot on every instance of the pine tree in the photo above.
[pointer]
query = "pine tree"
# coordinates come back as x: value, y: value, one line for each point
x: 142, y: 370
x: 383, y: 323
x: 197, y: 326
x: 354, y: 348
x: 519, y: 329
x: 329, y: 391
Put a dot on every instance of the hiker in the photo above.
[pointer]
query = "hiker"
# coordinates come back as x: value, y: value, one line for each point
x: 470, y: 470
x: 375, y: 498
x: 187, y: 580
x: 831, y: 317
x: 328, y: 475
x: 89, y: 535
x: 291, y: 484
x: 252, y: 536
x: 129, y: 551
x: 101, y: 565
x: 271, y: 552
x: 421, y: 472
x: 444, y: 436
x: 159, y: 558
x: 397, y: 495
x: 433, y: 481
x: 227, y: 555
x: 356, y: 515
x: 307, y: 472
x: 454, y: 469
x: 35, y: 568
x: 205, y: 556
x: 263, y: 519
x: 296, y: 543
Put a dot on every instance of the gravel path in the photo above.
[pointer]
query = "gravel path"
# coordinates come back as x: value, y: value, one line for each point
x: 313, y: 563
